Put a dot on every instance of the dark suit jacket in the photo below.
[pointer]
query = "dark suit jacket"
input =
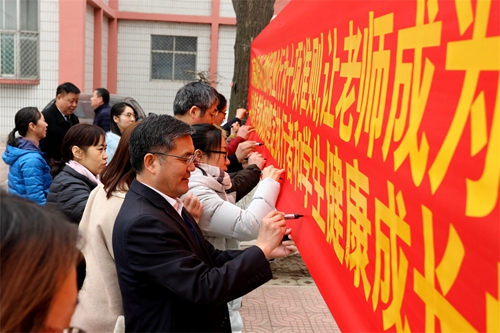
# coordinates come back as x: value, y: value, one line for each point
x: 103, y: 116
x: 170, y: 282
x: 58, y: 127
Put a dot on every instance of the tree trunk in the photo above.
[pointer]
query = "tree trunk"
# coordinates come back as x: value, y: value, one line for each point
x: 252, y: 16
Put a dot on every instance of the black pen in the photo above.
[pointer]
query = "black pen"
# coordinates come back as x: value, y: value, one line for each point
x: 258, y: 144
x: 293, y: 216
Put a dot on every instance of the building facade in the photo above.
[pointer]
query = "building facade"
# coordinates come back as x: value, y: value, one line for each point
x: 146, y: 49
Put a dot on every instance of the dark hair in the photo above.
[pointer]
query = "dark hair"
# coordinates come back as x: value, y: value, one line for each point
x: 23, y: 118
x: 206, y: 137
x: 66, y: 88
x: 198, y: 94
x: 104, y: 93
x: 222, y: 102
x: 81, y: 135
x: 117, y: 110
x: 37, y: 249
x: 155, y: 133
x: 118, y: 175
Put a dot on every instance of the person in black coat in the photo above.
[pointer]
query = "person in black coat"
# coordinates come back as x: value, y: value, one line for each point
x: 171, y: 278
x: 83, y: 159
x: 100, y: 103
x: 59, y: 116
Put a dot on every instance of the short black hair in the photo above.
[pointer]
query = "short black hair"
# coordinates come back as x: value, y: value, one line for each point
x: 207, y: 138
x: 104, y: 93
x: 222, y: 102
x: 155, y: 133
x: 196, y: 93
x: 66, y: 88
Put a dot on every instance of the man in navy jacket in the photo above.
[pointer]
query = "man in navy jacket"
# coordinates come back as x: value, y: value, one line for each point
x: 99, y: 102
x: 172, y: 279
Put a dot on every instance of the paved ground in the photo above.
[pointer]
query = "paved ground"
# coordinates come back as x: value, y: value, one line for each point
x: 289, y: 303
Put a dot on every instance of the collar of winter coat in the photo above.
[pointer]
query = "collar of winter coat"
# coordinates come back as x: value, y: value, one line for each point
x: 200, y: 177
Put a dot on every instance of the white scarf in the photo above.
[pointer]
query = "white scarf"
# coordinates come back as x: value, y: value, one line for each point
x: 83, y: 171
x: 216, y: 173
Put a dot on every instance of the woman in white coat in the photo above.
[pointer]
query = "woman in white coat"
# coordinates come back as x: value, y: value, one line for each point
x: 223, y: 223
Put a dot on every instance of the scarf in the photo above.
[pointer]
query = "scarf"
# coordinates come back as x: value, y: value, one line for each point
x: 216, y: 173
x: 83, y: 171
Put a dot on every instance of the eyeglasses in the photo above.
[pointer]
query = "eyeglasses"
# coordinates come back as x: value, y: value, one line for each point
x: 188, y: 160
x: 128, y: 115
x: 214, y: 114
x: 218, y: 152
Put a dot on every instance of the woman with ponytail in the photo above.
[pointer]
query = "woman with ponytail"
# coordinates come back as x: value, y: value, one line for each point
x: 29, y: 174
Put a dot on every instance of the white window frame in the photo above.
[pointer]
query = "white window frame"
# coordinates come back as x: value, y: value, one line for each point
x: 19, y: 36
x: 174, y: 52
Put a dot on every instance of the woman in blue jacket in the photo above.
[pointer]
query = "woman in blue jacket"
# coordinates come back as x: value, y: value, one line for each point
x: 29, y: 174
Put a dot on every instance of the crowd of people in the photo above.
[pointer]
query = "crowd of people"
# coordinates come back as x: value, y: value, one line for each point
x: 144, y: 215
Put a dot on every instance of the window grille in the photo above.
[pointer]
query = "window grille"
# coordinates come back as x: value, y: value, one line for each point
x: 19, y: 39
x: 173, y: 58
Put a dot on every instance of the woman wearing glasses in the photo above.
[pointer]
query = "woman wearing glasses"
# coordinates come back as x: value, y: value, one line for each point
x: 29, y: 174
x: 122, y: 116
x: 223, y: 223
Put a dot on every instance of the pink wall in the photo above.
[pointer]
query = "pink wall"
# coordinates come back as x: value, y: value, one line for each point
x: 72, y: 21
x: 72, y: 42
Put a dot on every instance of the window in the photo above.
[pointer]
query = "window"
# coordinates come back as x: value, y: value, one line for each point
x: 173, y: 57
x: 19, y: 39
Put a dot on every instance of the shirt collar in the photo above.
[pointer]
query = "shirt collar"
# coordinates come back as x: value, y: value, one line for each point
x: 174, y: 202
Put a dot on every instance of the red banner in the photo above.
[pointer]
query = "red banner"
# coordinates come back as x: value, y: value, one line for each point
x: 386, y: 117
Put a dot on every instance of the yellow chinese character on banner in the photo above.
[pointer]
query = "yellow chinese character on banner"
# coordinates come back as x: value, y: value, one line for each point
x: 318, y: 169
x: 350, y: 70
x: 335, y: 201
x: 311, y: 101
x: 415, y: 78
x: 374, y: 79
x: 394, y: 261
x: 304, y: 160
x: 436, y: 304
x: 358, y: 225
x: 482, y: 194
x: 329, y: 71
x: 297, y: 82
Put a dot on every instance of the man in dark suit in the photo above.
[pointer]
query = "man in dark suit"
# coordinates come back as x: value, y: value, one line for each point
x: 172, y: 279
x: 59, y: 116
x: 99, y: 102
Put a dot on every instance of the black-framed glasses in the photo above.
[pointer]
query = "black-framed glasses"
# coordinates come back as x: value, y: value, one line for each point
x: 188, y: 159
x: 218, y: 152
